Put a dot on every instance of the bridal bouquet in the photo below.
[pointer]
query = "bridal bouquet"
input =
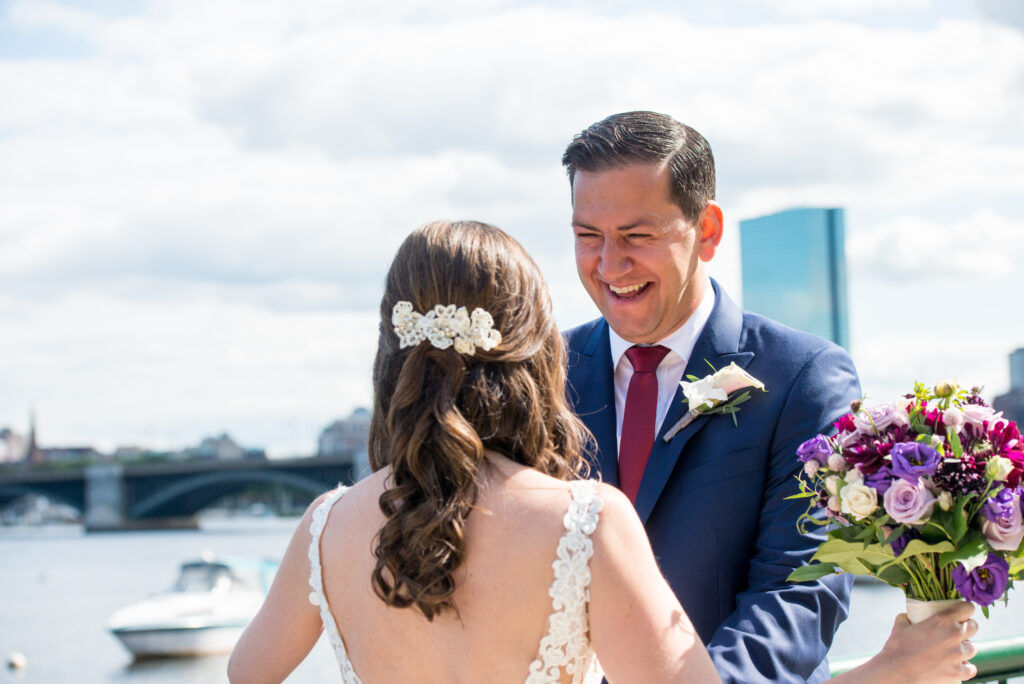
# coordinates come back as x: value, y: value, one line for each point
x: 924, y: 493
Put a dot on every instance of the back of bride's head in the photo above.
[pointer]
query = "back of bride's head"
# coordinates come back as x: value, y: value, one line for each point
x: 446, y: 389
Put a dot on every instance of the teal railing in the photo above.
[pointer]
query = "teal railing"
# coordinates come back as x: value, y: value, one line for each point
x: 998, y: 660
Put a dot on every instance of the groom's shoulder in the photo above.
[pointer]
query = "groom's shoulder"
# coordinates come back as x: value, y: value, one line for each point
x: 582, y: 336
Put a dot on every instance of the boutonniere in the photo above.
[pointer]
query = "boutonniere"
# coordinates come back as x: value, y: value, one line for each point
x: 718, y: 392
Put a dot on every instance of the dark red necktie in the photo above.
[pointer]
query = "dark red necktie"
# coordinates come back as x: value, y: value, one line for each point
x: 639, y: 417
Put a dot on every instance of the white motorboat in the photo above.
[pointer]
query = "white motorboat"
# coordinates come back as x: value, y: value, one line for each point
x: 204, y: 613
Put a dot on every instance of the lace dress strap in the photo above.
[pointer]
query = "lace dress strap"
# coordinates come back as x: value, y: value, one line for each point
x: 316, y: 582
x: 566, y: 646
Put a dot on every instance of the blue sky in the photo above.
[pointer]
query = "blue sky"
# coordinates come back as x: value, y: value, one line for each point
x: 198, y: 201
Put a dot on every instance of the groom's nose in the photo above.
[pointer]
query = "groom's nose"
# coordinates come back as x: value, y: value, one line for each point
x: 614, y: 260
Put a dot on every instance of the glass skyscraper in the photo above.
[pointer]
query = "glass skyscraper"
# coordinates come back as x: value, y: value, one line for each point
x: 1012, y: 403
x: 794, y: 270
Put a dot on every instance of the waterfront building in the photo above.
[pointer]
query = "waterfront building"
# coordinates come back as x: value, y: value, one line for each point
x: 12, y: 446
x: 1012, y: 403
x: 223, y: 448
x: 68, y: 454
x: 347, y: 437
x: 794, y: 270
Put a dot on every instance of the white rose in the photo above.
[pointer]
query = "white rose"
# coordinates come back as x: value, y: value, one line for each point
x: 858, y: 500
x: 732, y: 378
x: 945, y: 500
x: 836, y: 463
x: 811, y: 467
x: 832, y: 485
x: 703, y: 393
x: 854, y: 477
x: 953, y: 418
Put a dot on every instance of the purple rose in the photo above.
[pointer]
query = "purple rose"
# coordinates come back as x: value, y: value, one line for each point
x: 911, y: 460
x: 1003, y: 529
x: 985, y: 583
x: 817, y: 448
x: 908, y: 503
x: 880, y: 480
x: 1000, y: 505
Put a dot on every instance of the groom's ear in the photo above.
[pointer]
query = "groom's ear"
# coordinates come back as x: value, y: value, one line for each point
x: 709, y: 222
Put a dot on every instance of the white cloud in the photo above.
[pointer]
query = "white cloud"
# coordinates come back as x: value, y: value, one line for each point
x: 253, y: 166
x: 983, y: 247
x: 110, y: 371
x: 845, y: 7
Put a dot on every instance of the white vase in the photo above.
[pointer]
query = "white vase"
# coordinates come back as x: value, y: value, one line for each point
x: 918, y: 611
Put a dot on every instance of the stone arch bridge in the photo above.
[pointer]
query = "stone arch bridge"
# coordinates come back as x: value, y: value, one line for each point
x: 117, y: 497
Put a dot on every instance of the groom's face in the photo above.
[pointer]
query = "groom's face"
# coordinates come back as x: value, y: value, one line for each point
x: 637, y: 255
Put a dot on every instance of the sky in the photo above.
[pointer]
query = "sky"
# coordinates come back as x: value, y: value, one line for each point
x: 199, y: 201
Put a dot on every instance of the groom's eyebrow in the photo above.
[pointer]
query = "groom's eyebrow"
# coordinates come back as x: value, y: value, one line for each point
x: 621, y: 229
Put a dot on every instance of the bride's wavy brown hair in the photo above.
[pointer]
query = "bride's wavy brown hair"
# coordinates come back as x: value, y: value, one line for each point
x: 435, y: 411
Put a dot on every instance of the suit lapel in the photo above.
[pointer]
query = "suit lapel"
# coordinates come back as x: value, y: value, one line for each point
x: 717, y: 344
x: 593, y: 386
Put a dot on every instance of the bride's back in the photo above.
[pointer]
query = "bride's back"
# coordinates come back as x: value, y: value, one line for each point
x: 501, y: 594
x: 437, y: 568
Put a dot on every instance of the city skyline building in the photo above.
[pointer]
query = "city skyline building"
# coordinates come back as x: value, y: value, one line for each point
x: 793, y: 266
x: 1012, y: 403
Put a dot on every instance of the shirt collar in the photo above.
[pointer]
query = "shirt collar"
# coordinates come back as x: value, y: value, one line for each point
x: 682, y: 340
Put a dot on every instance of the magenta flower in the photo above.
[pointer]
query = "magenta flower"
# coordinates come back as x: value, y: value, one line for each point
x: 846, y: 424
x: 868, y: 456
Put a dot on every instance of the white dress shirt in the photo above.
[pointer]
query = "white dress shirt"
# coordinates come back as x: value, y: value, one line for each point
x: 670, y: 371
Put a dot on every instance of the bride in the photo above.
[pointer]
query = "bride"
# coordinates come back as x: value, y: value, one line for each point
x: 476, y: 552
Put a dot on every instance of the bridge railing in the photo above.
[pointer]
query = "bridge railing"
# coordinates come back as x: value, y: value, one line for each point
x: 998, y: 660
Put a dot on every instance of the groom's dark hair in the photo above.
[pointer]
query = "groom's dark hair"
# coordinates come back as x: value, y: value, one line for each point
x: 648, y: 138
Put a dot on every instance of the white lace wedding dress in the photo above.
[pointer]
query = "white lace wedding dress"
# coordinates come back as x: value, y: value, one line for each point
x: 565, y: 648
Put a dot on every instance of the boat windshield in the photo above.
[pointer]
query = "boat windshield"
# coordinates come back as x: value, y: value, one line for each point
x: 203, y: 577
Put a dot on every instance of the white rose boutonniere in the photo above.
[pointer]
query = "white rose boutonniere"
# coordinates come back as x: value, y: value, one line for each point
x: 715, y: 393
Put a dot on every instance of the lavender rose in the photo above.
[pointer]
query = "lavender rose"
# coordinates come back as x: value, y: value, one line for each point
x: 1003, y: 529
x: 875, y: 420
x: 911, y: 460
x: 985, y: 583
x: 908, y: 503
x: 816, y: 448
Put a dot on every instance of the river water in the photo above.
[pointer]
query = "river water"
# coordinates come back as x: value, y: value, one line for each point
x: 59, y: 585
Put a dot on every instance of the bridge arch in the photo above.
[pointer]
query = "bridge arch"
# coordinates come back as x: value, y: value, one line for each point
x: 190, y: 495
x: 72, y: 496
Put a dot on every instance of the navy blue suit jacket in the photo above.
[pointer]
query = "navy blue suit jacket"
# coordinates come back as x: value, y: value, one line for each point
x: 712, y: 499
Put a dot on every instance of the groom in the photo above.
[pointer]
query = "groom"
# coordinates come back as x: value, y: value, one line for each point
x: 712, y: 496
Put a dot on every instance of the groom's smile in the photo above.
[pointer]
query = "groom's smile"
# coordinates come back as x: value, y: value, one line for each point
x: 638, y: 256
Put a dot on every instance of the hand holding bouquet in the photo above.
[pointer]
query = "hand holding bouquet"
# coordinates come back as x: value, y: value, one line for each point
x: 927, y: 495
